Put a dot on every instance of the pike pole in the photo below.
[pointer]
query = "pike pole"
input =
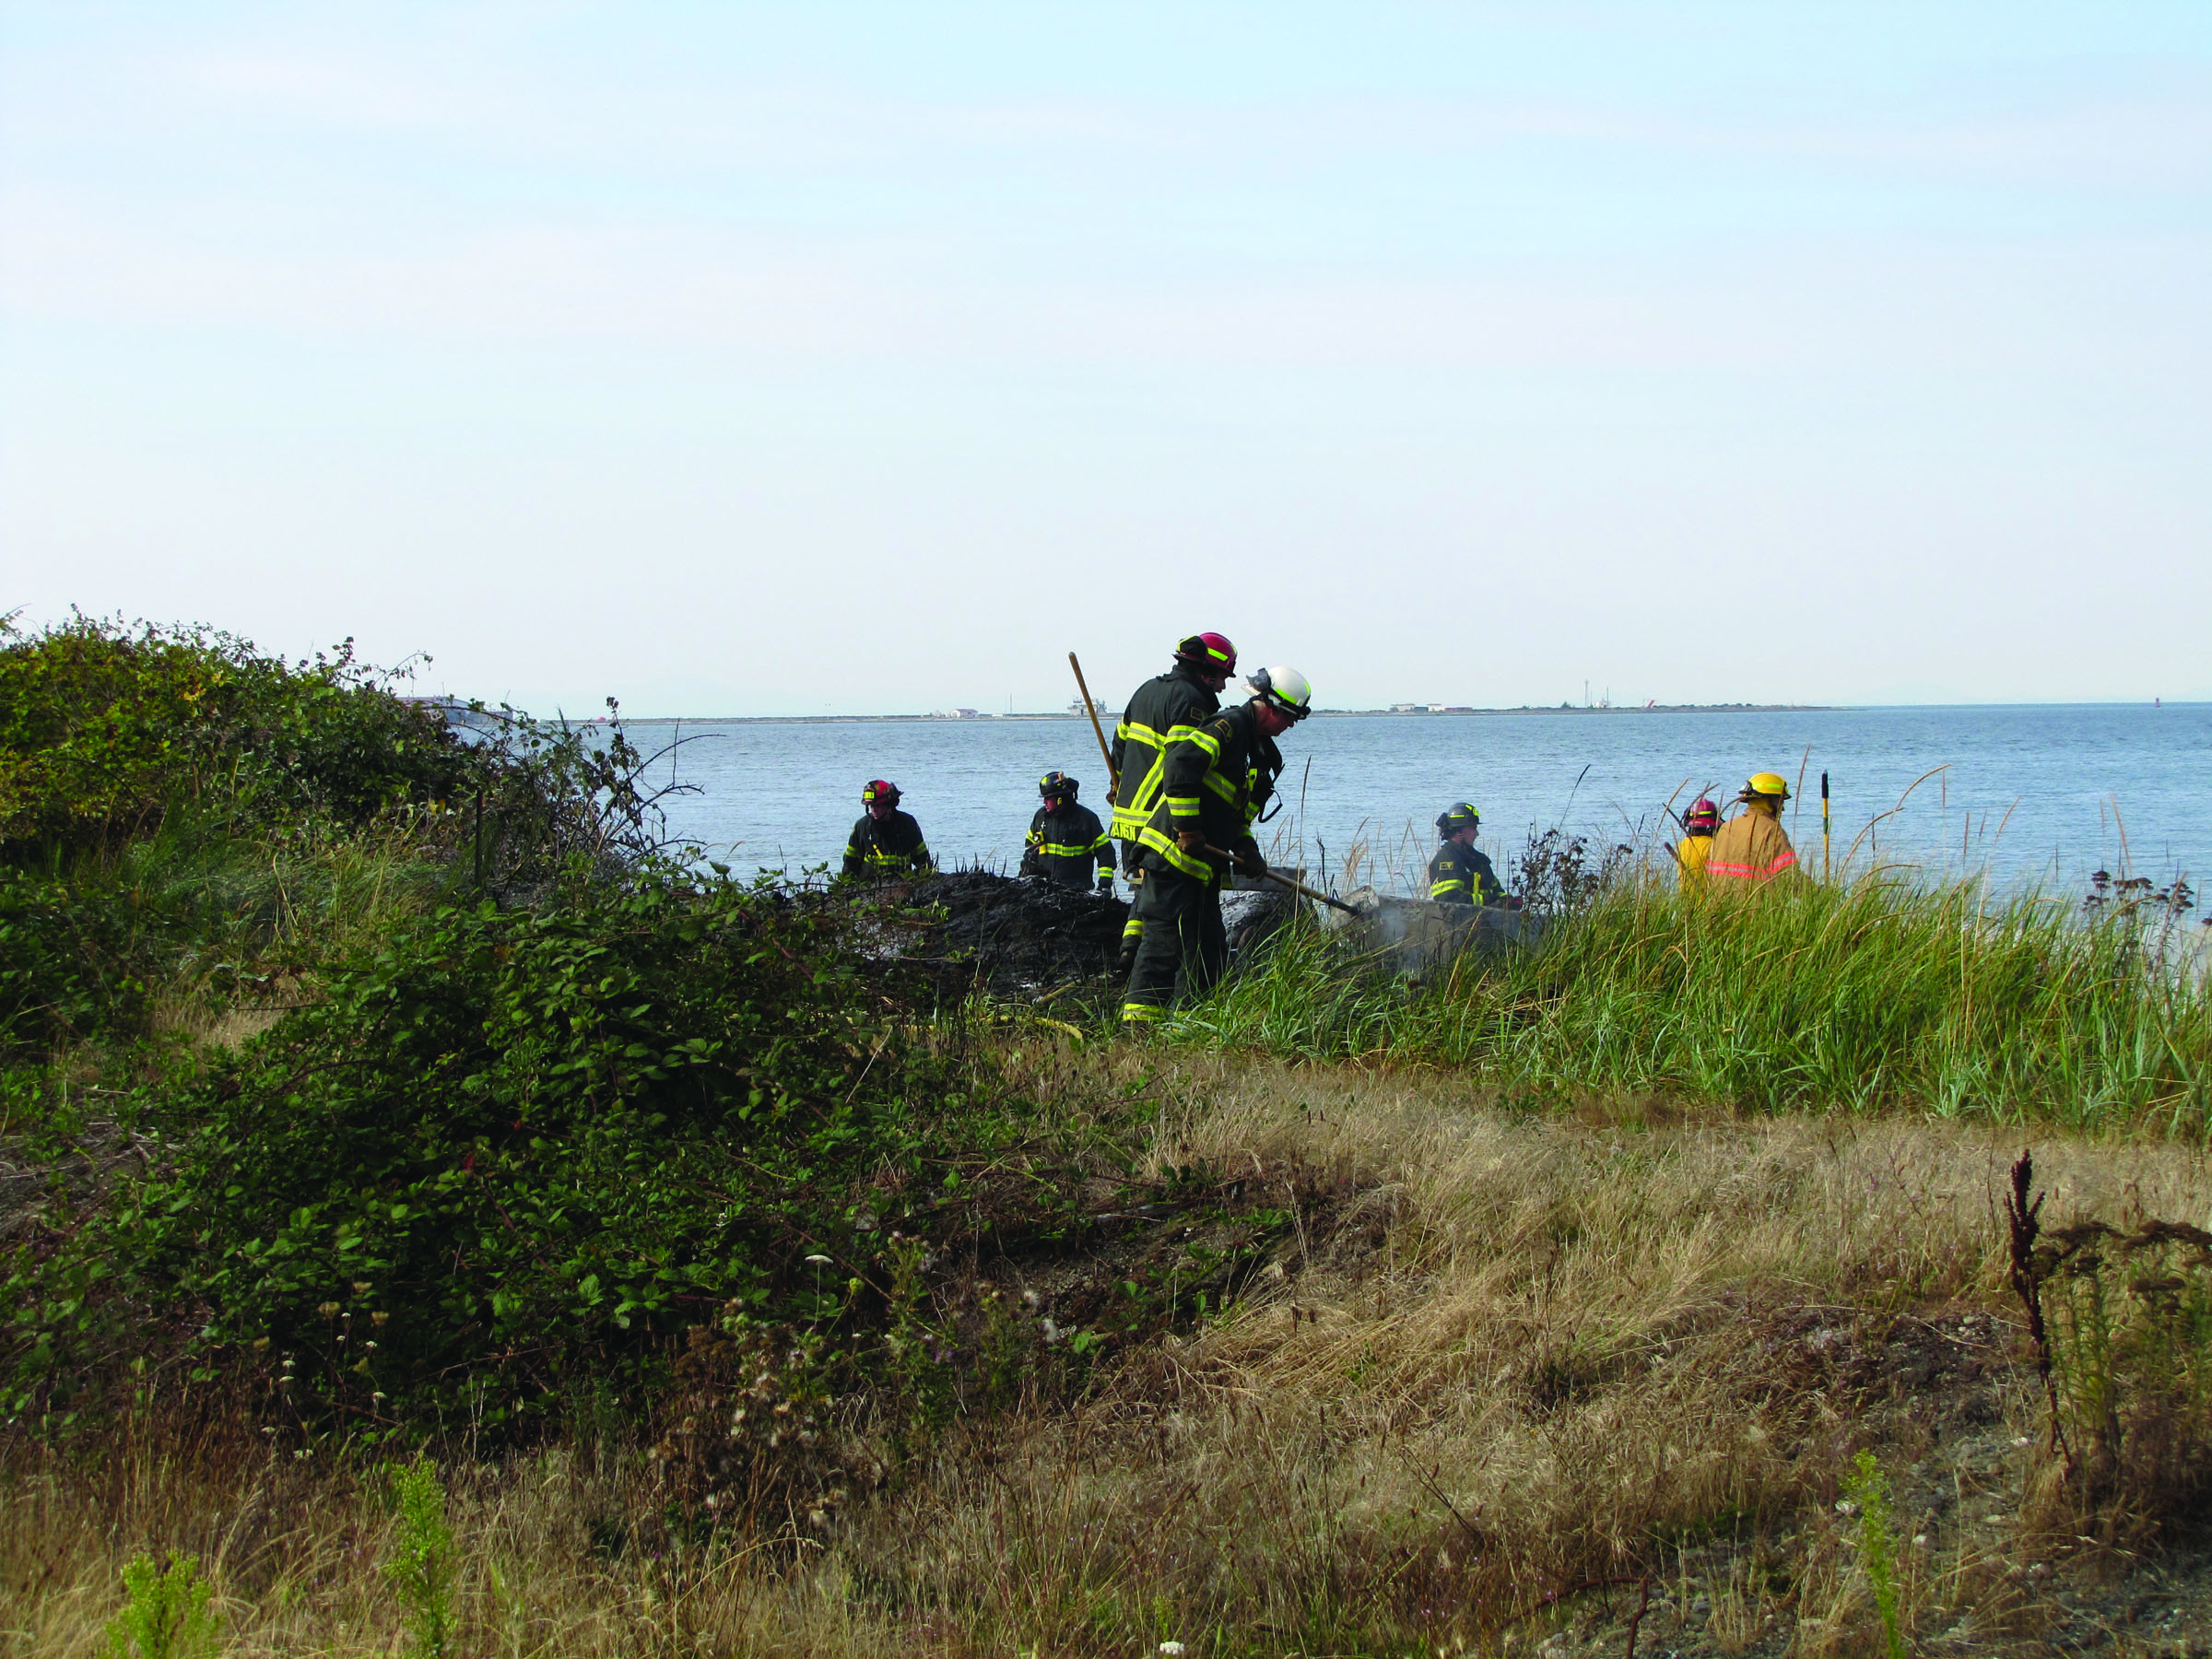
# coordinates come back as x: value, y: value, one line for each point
x: 1823, y: 825
x: 1113, y: 778
x: 1303, y: 892
x: 1299, y: 887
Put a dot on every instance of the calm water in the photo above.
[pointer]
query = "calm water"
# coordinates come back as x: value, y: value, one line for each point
x: 2030, y: 793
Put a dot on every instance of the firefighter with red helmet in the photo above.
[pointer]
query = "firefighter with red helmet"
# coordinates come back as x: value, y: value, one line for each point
x: 1696, y: 846
x: 885, y: 841
x: 1165, y: 708
x: 1066, y: 840
x: 1198, y: 830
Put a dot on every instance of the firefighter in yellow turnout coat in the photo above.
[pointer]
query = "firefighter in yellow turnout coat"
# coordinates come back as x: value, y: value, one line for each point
x: 1752, y: 848
x: 1696, y: 846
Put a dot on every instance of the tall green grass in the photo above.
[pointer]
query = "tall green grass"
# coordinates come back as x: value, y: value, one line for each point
x: 1875, y: 995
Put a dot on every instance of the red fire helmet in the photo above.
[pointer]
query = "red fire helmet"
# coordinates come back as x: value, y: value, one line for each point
x: 1211, y: 651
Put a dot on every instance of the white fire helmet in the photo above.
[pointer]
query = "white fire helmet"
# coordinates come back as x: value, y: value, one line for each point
x: 1285, y: 690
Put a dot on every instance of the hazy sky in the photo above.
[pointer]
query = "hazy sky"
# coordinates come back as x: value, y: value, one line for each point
x: 783, y: 358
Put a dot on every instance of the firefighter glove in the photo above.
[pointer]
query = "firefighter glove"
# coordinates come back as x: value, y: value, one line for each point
x: 1190, y: 841
x: 1249, y: 861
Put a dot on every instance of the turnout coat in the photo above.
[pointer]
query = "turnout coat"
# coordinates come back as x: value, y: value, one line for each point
x: 1066, y: 845
x: 890, y: 847
x: 1750, y: 847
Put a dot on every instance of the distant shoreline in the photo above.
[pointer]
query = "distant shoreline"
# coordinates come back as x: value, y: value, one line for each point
x: 661, y: 720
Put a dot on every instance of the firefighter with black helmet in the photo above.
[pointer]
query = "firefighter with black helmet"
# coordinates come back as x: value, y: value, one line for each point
x: 1164, y: 707
x: 1066, y: 840
x: 1459, y: 874
x: 885, y: 841
x: 1198, y: 830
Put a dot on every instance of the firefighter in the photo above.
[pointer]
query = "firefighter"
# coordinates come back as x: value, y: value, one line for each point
x: 1752, y: 848
x: 885, y: 841
x: 1198, y: 830
x: 1065, y: 839
x: 1164, y: 707
x: 1696, y: 844
x: 1458, y: 873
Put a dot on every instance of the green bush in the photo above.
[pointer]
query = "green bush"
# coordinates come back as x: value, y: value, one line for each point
x: 70, y: 965
x: 502, y: 1156
x: 178, y: 812
x: 103, y: 724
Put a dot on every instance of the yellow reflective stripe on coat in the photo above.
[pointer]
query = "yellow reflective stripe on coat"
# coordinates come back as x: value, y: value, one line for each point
x: 1447, y: 888
x: 1199, y: 735
x: 1152, y: 841
x: 1067, y: 849
x: 1131, y: 816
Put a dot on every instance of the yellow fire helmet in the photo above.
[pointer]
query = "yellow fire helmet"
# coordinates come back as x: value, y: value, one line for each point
x: 1768, y: 784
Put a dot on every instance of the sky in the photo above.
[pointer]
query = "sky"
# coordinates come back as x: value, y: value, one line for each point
x: 849, y: 358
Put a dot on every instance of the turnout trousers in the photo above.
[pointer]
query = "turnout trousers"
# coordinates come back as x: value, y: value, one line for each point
x: 1181, y: 932
x: 1133, y: 930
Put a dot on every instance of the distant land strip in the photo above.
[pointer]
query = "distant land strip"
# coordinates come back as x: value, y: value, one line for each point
x: 1423, y: 712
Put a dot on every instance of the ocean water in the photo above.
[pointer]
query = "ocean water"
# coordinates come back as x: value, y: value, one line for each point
x: 2024, y: 793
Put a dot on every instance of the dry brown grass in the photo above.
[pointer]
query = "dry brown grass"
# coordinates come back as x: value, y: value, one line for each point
x: 1512, y: 1354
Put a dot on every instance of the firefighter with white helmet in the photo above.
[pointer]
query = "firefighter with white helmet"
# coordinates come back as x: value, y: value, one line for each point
x: 1198, y: 830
